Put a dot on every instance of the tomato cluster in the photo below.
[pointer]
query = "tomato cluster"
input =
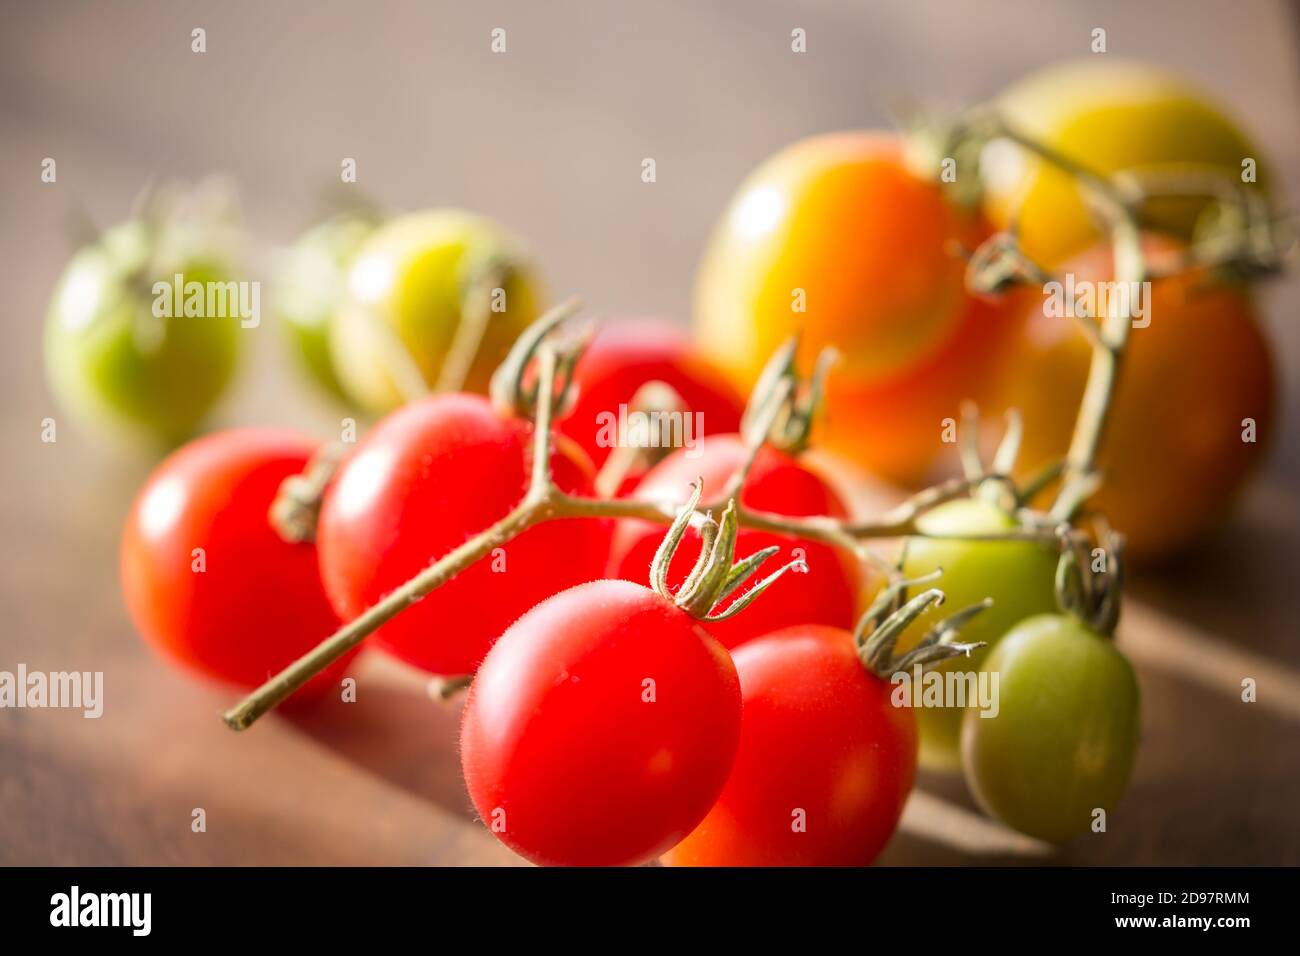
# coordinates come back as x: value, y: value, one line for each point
x: 700, y: 719
x: 840, y: 238
x: 582, y: 738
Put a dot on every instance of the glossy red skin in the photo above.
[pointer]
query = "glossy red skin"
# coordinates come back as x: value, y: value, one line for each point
x: 624, y: 356
x: 425, y: 480
x: 819, y: 734
x: 558, y: 736
x: 259, y: 604
x: 827, y: 594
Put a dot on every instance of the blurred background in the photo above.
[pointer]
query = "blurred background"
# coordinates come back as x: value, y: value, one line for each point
x: 548, y: 139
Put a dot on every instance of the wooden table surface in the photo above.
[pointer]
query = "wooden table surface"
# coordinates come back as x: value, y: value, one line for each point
x: 549, y: 139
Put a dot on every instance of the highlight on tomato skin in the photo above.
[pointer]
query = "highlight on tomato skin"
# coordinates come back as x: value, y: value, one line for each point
x: 827, y: 593
x: 208, y: 582
x: 425, y: 480
x: 600, y: 728
x: 628, y: 353
x: 825, y: 761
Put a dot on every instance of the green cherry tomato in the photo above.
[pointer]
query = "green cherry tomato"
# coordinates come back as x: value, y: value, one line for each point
x: 405, y: 295
x: 1018, y: 575
x: 310, y: 284
x: 1062, y: 743
x: 112, y: 361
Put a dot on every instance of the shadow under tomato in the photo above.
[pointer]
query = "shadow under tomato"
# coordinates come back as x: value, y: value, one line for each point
x: 1213, y: 777
x: 1236, y: 584
x: 393, y: 730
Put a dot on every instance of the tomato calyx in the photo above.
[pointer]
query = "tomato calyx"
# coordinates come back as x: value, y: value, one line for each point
x: 879, y: 629
x: 173, y: 226
x: 514, y: 385
x: 932, y: 142
x: 183, y: 222
x: 995, y: 484
x: 297, y: 503
x: 1090, y: 581
x: 1243, y: 240
x: 784, y: 406
x: 998, y: 265
x: 714, y: 578
x: 655, y: 402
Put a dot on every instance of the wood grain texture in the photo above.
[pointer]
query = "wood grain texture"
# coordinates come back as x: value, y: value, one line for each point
x: 549, y: 139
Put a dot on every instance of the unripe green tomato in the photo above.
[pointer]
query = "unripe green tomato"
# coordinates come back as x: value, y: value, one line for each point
x: 310, y: 286
x: 1063, y: 741
x: 405, y: 294
x: 112, y: 362
x: 1019, y: 576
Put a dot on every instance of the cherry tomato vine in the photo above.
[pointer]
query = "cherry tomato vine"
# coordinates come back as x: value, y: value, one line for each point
x: 535, y: 382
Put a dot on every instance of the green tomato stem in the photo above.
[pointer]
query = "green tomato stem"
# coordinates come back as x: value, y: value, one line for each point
x: 475, y: 316
x: 1116, y: 200
x: 279, y: 687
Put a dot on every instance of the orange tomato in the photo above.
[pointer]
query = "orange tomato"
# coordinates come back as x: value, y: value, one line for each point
x: 836, y: 238
x: 896, y: 427
x: 1176, y: 446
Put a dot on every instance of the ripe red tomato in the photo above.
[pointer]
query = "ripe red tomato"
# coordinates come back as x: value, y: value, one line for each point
x: 626, y: 355
x: 425, y: 480
x: 826, y: 594
x: 825, y: 762
x: 248, y: 603
x: 600, y: 728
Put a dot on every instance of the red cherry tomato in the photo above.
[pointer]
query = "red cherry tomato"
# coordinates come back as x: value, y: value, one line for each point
x: 600, y: 728
x: 425, y: 480
x: 207, y: 580
x: 825, y: 760
x: 826, y: 594
x: 623, y: 357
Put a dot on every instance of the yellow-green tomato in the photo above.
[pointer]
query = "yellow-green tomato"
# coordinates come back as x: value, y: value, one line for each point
x: 1062, y: 743
x: 1108, y: 115
x: 310, y: 285
x: 406, y: 291
x: 122, y: 353
x: 1019, y: 576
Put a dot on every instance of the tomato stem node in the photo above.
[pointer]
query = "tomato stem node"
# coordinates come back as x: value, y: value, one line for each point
x: 878, y: 631
x: 297, y: 504
x: 714, y: 578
